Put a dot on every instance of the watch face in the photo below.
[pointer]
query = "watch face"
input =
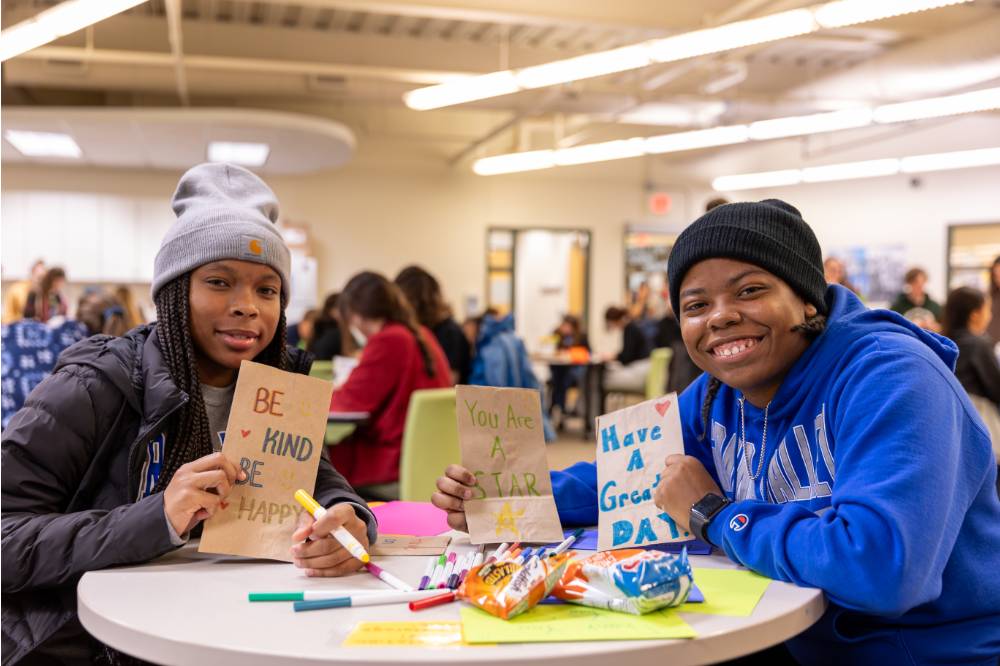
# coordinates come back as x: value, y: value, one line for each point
x: 709, y: 505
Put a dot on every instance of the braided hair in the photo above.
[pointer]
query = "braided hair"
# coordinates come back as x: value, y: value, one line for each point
x: 812, y: 328
x: 188, y: 433
x: 372, y: 296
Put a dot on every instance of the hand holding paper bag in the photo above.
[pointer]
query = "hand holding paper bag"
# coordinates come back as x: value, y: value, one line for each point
x: 197, y: 489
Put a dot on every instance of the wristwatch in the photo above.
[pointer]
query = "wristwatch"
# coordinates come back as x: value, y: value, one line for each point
x: 702, y: 513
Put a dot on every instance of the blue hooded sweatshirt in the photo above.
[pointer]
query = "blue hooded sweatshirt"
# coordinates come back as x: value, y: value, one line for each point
x: 879, y: 488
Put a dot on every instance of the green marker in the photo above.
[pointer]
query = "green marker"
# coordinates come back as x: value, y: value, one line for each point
x: 308, y: 595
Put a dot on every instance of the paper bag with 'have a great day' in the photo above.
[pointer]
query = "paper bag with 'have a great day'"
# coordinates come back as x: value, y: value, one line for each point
x: 275, y: 434
x: 632, y: 444
x: 500, y: 433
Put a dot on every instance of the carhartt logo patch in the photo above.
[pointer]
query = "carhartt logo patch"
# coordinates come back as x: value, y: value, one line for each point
x: 253, y: 248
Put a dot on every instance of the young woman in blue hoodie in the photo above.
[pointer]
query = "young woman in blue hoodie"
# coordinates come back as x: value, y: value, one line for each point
x: 827, y: 445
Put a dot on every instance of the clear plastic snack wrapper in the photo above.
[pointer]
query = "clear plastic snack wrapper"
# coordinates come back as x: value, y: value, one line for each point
x: 507, y: 589
x: 628, y: 581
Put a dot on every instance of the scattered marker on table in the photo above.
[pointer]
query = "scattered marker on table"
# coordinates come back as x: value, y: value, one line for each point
x: 430, y: 602
x: 428, y: 573
x: 562, y: 547
x: 387, y: 577
x: 438, y: 571
x: 362, y: 600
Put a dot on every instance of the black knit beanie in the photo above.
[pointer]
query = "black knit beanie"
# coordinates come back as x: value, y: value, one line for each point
x: 770, y: 234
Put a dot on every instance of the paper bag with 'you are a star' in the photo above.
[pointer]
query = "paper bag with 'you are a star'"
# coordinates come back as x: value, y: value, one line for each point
x: 500, y: 434
x: 275, y: 434
x: 632, y: 444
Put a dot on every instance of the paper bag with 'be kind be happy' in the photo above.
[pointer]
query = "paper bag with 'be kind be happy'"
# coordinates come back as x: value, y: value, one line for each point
x: 275, y: 434
x: 500, y: 434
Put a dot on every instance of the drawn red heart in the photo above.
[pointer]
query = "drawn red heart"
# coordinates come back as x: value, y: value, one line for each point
x: 662, y: 407
x: 224, y: 504
x: 244, y: 432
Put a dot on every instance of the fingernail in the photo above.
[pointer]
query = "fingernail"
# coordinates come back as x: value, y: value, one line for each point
x: 467, y: 494
x: 243, y: 475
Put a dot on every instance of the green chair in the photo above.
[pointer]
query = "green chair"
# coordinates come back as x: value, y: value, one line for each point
x: 322, y: 370
x: 659, y: 364
x: 430, y: 443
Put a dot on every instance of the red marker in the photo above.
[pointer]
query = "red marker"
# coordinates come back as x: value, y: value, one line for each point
x: 430, y: 602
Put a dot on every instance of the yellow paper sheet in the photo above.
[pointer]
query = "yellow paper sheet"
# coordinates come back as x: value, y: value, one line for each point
x: 727, y: 591
x: 423, y: 634
x: 567, y: 622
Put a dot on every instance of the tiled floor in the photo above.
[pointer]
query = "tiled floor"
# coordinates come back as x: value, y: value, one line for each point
x: 569, y: 448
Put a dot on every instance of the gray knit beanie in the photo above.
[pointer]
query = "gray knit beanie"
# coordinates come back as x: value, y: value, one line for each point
x: 223, y: 212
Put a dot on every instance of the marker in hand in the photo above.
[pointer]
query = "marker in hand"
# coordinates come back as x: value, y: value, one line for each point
x: 341, y: 534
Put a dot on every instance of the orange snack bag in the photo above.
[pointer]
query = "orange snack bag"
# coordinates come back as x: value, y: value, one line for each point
x: 507, y: 589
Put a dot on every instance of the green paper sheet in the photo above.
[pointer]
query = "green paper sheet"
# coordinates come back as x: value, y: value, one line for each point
x: 727, y: 591
x: 549, y: 624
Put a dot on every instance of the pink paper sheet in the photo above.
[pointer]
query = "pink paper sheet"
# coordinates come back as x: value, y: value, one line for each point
x: 413, y: 518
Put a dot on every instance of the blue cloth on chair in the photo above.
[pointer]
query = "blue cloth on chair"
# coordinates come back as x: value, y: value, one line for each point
x: 30, y: 350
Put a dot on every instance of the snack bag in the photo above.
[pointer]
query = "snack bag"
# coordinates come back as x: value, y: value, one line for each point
x: 507, y: 589
x: 628, y: 581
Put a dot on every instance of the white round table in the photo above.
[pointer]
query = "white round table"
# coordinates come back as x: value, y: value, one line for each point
x: 192, y: 608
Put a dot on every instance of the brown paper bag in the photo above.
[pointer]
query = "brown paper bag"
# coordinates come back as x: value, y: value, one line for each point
x: 500, y: 434
x: 632, y: 444
x: 275, y: 434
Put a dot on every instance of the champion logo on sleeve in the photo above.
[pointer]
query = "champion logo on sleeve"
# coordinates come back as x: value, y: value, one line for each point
x: 738, y: 522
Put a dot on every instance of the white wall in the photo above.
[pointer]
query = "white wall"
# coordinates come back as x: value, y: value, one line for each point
x: 383, y: 219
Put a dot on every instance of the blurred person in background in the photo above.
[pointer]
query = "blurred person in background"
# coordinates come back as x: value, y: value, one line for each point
x: 993, y: 330
x: 836, y: 273
x: 423, y: 292
x: 17, y: 294
x: 915, y: 303
x: 627, y: 372
x: 301, y: 334
x: 133, y: 311
x: 571, y: 342
x: 327, y: 341
x: 47, y: 300
x: 967, y: 315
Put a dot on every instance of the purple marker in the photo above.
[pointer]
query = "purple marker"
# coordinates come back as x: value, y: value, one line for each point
x: 428, y: 572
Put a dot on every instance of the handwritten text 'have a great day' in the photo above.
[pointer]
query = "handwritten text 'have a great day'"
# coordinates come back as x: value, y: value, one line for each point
x: 507, y: 483
x: 275, y: 443
x: 612, y: 500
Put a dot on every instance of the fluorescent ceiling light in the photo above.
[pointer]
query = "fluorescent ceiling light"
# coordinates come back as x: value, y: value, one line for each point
x: 732, y: 36
x: 957, y: 160
x: 810, y: 124
x: 63, y: 19
x: 244, y: 154
x: 698, y: 114
x: 850, y: 12
x: 749, y: 181
x: 527, y: 161
x: 936, y: 107
x: 961, y: 159
x: 600, y: 152
x: 678, y: 141
x: 462, y: 90
x: 848, y: 170
x: 584, y: 67
x: 980, y: 100
x: 782, y: 25
x: 43, y: 144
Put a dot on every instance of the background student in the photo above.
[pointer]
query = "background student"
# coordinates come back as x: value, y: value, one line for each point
x: 399, y: 356
x: 114, y: 459
x: 424, y: 294
x: 967, y: 315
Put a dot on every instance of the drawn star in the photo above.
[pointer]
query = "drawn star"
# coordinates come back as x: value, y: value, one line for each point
x: 506, y: 520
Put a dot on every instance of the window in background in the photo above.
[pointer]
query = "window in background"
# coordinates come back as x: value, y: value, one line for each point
x: 646, y: 254
x: 971, y: 251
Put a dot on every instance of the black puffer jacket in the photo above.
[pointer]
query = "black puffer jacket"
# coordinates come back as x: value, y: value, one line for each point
x: 72, y: 458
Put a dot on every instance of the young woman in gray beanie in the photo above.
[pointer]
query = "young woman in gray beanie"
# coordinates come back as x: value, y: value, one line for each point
x: 115, y: 458
x: 827, y: 445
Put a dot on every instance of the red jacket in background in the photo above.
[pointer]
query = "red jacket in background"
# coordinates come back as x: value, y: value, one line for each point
x: 391, y: 368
